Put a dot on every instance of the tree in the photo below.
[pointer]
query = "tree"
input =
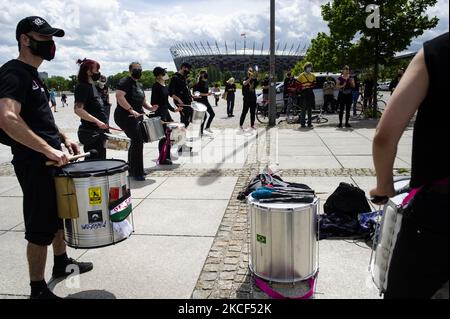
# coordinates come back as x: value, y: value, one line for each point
x: 368, y: 43
x: 58, y: 83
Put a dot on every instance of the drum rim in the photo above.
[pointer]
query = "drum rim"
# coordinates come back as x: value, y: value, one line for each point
x: 124, y: 167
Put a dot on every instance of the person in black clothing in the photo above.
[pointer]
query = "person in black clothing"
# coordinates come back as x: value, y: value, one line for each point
x: 265, y: 86
x: 202, y: 87
x: 420, y: 262
x: 129, y: 115
x: 249, y: 92
x: 355, y: 93
x: 180, y: 93
x: 287, y: 83
x: 345, y: 84
x: 396, y: 81
x: 64, y: 100
x: 160, y: 97
x: 28, y: 126
x: 103, y: 90
x: 230, y: 90
x: 90, y: 108
x: 368, y: 91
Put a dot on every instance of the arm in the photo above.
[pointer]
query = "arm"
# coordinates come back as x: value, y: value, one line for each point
x: 84, y: 115
x: 151, y: 108
x: 123, y: 103
x: 13, y: 124
x: 402, y: 106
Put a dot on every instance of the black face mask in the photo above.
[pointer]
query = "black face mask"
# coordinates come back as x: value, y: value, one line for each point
x: 96, y: 76
x: 205, y: 77
x: 187, y: 73
x: 136, y: 74
x: 43, y: 49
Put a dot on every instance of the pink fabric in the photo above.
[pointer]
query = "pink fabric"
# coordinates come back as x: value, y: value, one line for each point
x: 276, y: 295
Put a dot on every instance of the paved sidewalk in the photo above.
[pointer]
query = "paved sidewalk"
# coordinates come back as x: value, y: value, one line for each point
x: 191, y: 232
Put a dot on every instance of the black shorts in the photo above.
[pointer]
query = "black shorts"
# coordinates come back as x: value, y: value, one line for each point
x: 39, y: 203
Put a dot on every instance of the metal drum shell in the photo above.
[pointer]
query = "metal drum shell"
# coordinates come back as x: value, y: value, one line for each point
x: 290, y: 251
x: 117, y: 142
x: 152, y: 130
x: 199, y: 112
x: 82, y: 233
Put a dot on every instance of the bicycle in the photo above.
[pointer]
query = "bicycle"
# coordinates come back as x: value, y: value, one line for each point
x: 294, y: 110
x: 368, y: 111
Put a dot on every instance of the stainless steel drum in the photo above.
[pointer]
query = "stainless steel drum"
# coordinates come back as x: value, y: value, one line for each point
x: 117, y: 142
x: 284, y: 240
x: 389, y: 228
x: 152, y: 130
x: 177, y: 134
x: 199, y: 112
x: 101, y: 194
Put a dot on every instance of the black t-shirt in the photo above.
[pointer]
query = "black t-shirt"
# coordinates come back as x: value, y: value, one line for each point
x: 202, y: 87
x: 160, y: 97
x: 178, y: 86
x: 135, y: 95
x: 368, y: 87
x: 20, y: 82
x: 88, y: 95
x: 249, y: 91
x: 430, y: 163
x: 231, y: 89
x: 265, y: 83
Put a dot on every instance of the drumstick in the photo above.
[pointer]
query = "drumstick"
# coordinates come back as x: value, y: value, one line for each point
x: 74, y: 158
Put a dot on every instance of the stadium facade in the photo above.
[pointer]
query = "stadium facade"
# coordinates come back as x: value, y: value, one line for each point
x: 236, y: 61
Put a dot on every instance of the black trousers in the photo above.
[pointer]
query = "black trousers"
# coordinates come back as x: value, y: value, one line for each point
x: 211, y: 113
x: 345, y: 103
x: 186, y: 116
x: 308, y: 101
x: 329, y: 103
x: 420, y: 262
x: 230, y: 105
x: 131, y: 127
x: 249, y: 104
x: 93, y: 140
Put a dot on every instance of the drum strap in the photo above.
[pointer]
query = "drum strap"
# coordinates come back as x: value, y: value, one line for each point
x: 261, y: 284
x: 416, y: 191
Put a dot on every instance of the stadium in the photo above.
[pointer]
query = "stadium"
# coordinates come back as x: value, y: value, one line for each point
x: 236, y: 60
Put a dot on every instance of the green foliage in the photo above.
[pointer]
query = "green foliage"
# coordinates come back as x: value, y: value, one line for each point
x: 58, y: 83
x: 113, y: 80
x: 350, y: 40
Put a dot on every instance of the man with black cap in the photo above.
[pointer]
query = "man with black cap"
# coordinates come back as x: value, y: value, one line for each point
x: 28, y: 126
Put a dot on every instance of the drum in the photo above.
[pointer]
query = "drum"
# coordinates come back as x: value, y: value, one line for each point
x: 152, y: 130
x: 94, y: 200
x: 178, y: 133
x: 388, y: 228
x: 199, y: 112
x: 117, y: 142
x: 284, y: 240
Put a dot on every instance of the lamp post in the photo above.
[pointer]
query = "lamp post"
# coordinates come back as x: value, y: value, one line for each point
x: 272, y: 88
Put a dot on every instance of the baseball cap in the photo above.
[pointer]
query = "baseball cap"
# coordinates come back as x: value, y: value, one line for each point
x: 159, y: 71
x: 38, y: 25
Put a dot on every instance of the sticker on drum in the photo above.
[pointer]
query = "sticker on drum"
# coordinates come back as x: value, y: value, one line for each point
x: 95, y: 196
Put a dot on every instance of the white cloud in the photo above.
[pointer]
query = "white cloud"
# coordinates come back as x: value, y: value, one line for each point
x: 115, y: 32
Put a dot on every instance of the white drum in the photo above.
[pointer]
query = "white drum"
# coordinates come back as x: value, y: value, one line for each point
x: 389, y: 228
x: 199, y: 112
x: 177, y: 134
x: 152, y: 130
x: 117, y: 142
x: 284, y: 244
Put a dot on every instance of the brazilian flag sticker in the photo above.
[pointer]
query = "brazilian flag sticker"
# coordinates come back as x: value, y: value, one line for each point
x: 261, y: 239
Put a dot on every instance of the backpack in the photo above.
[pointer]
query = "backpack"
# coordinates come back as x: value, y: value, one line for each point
x: 347, y: 200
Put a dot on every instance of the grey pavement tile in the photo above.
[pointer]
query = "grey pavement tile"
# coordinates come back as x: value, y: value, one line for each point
x: 362, y: 149
x: 308, y: 162
x: 303, y: 150
x: 366, y: 162
x: 179, y: 217
x: 213, y: 166
x: 143, y: 267
x: 16, y: 191
x: 141, y: 190
x: 7, y: 183
x: 14, y: 277
x: 344, y: 271
x: 11, y: 213
x: 196, y: 188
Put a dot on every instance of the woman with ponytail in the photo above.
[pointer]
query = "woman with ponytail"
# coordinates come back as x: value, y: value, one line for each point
x: 89, y: 107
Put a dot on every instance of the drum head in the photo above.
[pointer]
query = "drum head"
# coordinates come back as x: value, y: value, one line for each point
x: 93, y: 168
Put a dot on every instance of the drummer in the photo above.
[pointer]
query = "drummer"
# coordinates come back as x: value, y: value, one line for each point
x: 202, y: 88
x: 90, y: 108
x: 160, y: 97
x: 28, y: 124
x: 128, y: 115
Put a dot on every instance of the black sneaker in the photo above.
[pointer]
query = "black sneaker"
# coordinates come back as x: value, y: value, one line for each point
x: 310, y: 126
x: 166, y: 162
x: 60, y: 272
x: 45, y: 294
x: 340, y: 126
x: 348, y: 125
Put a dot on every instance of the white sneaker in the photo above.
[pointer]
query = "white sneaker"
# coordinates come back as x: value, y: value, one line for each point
x: 209, y: 131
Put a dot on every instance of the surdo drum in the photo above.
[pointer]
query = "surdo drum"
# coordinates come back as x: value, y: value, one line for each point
x: 94, y: 200
x: 152, y: 130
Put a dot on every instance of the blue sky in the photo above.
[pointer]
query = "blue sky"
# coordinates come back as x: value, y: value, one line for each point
x: 115, y: 32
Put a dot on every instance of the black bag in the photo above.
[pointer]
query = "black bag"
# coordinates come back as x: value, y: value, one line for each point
x: 347, y: 200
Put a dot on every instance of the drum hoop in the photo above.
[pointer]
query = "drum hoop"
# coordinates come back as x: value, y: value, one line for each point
x: 97, y: 173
